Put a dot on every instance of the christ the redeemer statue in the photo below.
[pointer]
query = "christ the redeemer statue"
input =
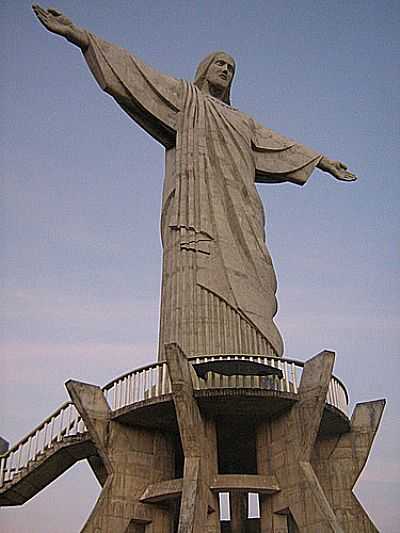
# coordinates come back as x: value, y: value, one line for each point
x: 218, y: 285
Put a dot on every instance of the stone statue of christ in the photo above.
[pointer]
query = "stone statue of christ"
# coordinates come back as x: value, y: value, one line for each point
x: 218, y: 284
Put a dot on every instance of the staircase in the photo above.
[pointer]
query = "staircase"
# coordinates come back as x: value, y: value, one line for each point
x: 44, y: 454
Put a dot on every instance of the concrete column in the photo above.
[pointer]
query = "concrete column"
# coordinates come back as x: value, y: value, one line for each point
x: 339, y: 461
x: 280, y: 523
x: 214, y: 525
x: 238, y: 503
x: 95, y: 412
x: 284, y: 449
x: 196, y: 496
x: 132, y: 458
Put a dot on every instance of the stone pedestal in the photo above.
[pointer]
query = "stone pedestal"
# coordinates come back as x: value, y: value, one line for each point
x: 303, y: 476
x: 167, y: 440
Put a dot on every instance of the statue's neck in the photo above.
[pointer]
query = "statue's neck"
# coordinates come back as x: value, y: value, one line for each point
x: 214, y: 90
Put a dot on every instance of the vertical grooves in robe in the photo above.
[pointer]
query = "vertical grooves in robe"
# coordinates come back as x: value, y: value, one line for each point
x: 201, y: 321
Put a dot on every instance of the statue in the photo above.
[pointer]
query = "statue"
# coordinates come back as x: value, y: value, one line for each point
x: 218, y: 285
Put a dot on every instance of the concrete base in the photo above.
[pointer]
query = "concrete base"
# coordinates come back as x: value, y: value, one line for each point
x: 156, y: 482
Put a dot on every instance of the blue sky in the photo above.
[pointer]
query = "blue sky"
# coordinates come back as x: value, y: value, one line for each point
x: 81, y: 188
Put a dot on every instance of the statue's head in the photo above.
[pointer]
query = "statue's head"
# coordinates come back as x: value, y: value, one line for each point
x: 214, y: 75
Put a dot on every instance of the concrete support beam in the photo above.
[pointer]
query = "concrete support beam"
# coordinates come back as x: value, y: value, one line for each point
x: 133, y: 459
x: 320, y: 499
x: 163, y: 491
x: 187, y: 412
x: 95, y: 412
x: 199, y: 458
x: 365, y: 422
x: 307, y: 413
x: 245, y: 483
x: 239, y: 509
x: 339, y: 461
x: 284, y: 448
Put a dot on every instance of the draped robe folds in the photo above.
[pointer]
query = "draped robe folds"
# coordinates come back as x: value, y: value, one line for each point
x: 218, y: 285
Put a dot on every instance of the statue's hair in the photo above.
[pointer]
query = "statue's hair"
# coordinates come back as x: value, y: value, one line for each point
x: 201, y: 74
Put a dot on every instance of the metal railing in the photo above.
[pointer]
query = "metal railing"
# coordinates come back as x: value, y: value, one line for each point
x: 150, y: 382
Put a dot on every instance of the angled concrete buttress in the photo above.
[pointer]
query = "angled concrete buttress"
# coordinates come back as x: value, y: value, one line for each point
x: 285, y: 445
x: 316, y: 473
x: 198, y: 504
x: 339, y: 460
x: 133, y: 458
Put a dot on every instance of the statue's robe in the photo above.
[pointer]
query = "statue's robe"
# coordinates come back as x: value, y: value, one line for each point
x: 218, y: 285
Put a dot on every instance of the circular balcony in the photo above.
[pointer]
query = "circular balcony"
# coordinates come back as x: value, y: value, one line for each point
x: 143, y: 396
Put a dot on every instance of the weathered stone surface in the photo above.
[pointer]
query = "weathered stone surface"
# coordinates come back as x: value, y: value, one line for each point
x: 133, y: 458
x: 339, y: 461
x: 199, y: 457
x: 284, y: 448
x: 92, y: 406
x: 238, y: 510
x: 245, y: 483
x: 162, y: 491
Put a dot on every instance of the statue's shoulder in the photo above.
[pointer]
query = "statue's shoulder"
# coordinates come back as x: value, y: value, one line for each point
x: 265, y: 139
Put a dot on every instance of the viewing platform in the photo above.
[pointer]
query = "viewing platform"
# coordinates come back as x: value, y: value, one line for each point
x: 143, y: 397
x: 168, y: 441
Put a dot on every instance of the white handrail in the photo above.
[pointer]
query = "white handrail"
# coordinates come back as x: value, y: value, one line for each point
x: 64, y: 422
x: 291, y: 375
x: 145, y: 383
x: 152, y: 381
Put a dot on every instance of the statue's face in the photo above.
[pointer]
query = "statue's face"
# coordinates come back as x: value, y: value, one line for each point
x: 221, y: 71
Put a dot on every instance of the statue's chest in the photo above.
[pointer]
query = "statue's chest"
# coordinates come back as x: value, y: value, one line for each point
x: 229, y: 127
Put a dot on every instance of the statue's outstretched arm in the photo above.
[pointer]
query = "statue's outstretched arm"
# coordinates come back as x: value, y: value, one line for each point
x: 151, y: 98
x: 336, y: 169
x: 58, y: 23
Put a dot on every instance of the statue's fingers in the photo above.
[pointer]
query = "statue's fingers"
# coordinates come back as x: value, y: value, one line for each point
x: 39, y: 9
x: 40, y: 13
x: 43, y: 18
x: 54, y: 12
x: 350, y: 176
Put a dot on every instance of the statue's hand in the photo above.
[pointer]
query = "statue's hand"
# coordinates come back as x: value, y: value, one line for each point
x: 58, y: 23
x: 53, y: 20
x: 337, y: 169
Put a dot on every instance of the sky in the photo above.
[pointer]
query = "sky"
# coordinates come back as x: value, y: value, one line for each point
x: 81, y: 189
